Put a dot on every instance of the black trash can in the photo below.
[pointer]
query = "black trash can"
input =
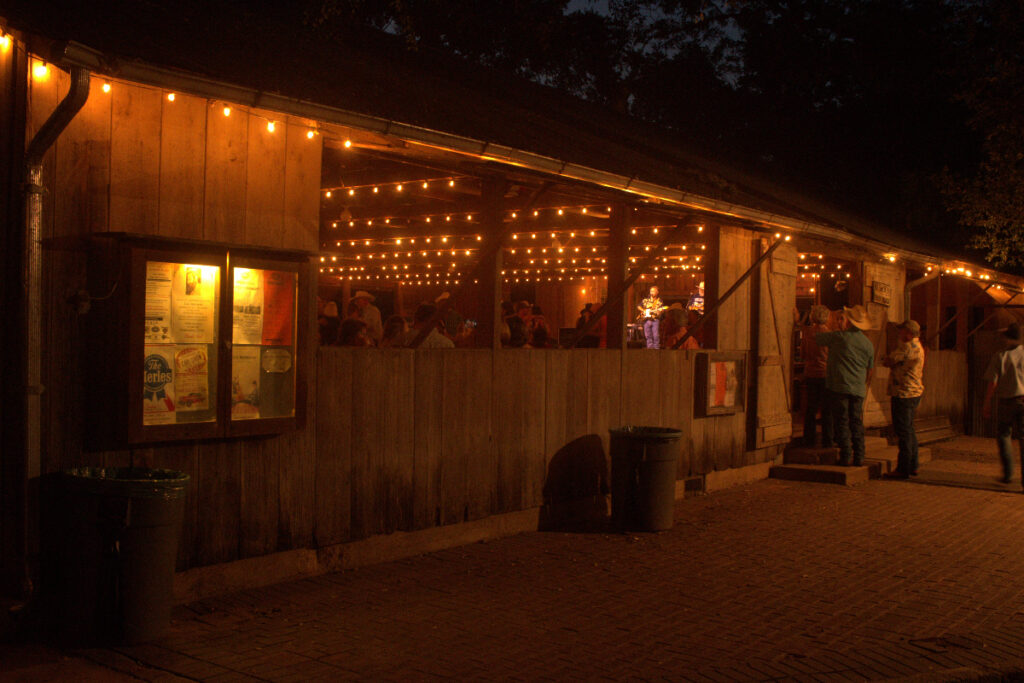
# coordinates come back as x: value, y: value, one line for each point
x: 122, y: 527
x: 643, y: 482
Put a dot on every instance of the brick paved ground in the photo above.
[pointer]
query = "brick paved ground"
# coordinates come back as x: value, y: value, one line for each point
x: 775, y: 580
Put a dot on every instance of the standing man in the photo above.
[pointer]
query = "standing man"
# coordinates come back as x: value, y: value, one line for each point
x: 370, y: 315
x: 906, y: 384
x: 651, y: 308
x: 815, y: 363
x: 1005, y: 375
x: 851, y: 356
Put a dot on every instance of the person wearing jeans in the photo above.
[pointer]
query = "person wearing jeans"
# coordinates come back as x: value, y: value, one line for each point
x: 1005, y: 375
x: 815, y: 362
x: 906, y: 385
x: 851, y: 356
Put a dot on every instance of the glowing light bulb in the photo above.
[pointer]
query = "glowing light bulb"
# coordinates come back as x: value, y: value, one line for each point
x: 310, y: 134
x: 40, y: 71
x: 348, y: 144
x: 399, y: 187
x: 5, y: 42
x: 451, y: 183
x: 227, y: 111
x: 270, y: 126
x: 106, y: 87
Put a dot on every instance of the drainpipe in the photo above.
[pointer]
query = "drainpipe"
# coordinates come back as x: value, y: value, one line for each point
x: 31, y: 284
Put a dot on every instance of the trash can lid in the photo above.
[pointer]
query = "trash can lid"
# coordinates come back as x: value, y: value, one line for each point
x: 647, y: 433
x: 135, y: 482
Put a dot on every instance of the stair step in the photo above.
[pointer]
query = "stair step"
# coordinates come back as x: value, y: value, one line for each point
x: 810, y: 456
x: 935, y: 435
x: 824, y: 474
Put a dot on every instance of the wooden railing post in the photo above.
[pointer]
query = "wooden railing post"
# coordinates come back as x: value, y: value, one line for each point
x: 618, y: 263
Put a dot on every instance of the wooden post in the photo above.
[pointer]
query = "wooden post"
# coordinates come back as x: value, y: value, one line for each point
x: 489, y: 323
x: 692, y: 330
x: 959, y: 311
x: 618, y: 261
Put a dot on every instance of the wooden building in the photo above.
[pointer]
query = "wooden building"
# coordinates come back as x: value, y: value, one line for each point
x: 372, y: 171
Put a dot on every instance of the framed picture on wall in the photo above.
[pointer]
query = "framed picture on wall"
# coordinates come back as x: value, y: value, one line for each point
x: 719, y: 380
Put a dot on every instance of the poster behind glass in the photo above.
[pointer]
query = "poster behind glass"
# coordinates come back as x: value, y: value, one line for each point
x: 180, y: 362
x: 263, y: 344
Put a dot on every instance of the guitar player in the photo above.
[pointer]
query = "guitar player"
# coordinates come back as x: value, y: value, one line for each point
x: 650, y: 312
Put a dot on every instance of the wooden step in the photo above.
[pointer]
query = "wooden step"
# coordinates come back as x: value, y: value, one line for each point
x: 802, y: 455
x: 823, y: 474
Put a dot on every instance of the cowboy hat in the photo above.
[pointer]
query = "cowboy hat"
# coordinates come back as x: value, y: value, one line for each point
x: 364, y: 295
x: 858, y: 316
x: 1013, y: 333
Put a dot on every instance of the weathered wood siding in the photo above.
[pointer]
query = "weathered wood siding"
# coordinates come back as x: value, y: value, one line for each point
x: 412, y: 439
x: 133, y: 161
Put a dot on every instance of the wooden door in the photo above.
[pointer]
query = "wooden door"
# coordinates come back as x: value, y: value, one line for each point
x: 773, y: 302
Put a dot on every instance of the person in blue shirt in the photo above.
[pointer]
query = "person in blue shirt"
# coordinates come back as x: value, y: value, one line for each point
x: 851, y: 357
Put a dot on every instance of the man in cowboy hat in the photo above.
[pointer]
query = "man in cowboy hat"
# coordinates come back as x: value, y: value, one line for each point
x: 1005, y: 375
x: 851, y: 357
x: 370, y: 315
x: 906, y: 385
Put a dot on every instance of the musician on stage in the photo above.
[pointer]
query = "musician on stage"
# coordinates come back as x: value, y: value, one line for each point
x: 651, y: 309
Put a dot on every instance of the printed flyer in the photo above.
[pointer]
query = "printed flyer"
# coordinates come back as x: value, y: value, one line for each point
x: 247, y: 318
x: 193, y: 299
x: 245, y: 382
x: 278, y: 308
x: 158, y: 302
x: 158, y: 386
x: 191, y: 379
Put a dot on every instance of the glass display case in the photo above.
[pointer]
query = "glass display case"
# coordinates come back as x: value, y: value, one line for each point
x: 194, y: 340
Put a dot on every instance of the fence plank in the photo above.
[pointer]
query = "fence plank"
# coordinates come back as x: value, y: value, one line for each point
x: 219, y: 488
x: 332, y: 489
x: 518, y: 427
x: 428, y: 411
x: 302, y: 188
x: 135, y: 159
x: 469, y: 473
x: 182, y: 166
x: 225, y: 193
x: 264, y: 190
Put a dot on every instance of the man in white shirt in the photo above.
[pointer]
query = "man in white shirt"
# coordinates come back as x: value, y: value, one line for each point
x: 1005, y: 375
x: 370, y: 315
x: 906, y: 385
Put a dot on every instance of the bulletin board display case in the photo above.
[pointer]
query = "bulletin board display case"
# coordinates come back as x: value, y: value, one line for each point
x: 197, y: 340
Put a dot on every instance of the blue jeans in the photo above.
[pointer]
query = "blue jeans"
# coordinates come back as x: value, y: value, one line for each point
x: 903, y: 410
x: 1010, y: 424
x: 652, y: 333
x: 847, y: 411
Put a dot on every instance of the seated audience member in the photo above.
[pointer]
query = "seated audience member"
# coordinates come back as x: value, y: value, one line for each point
x: 519, y: 325
x: 592, y: 339
x: 353, y: 311
x: 433, y: 340
x: 329, y: 324
x: 395, y: 329
x: 353, y: 333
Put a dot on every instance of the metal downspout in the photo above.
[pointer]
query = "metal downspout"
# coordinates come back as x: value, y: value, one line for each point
x: 31, y: 283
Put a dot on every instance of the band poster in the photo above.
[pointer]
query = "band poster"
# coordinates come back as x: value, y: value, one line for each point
x: 176, y: 380
x: 247, y: 307
x: 193, y: 298
x: 263, y: 307
x: 245, y: 382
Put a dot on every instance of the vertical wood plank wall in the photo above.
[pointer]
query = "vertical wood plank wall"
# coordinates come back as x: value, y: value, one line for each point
x: 134, y: 161
x: 412, y: 439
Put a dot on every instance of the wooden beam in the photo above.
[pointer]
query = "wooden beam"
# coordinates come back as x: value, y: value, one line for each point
x: 693, y: 329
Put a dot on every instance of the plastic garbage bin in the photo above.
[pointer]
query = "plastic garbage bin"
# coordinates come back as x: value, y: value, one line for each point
x: 121, y: 543
x: 643, y: 482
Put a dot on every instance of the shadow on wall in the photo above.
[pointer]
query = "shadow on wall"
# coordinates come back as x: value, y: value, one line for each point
x: 576, y: 488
